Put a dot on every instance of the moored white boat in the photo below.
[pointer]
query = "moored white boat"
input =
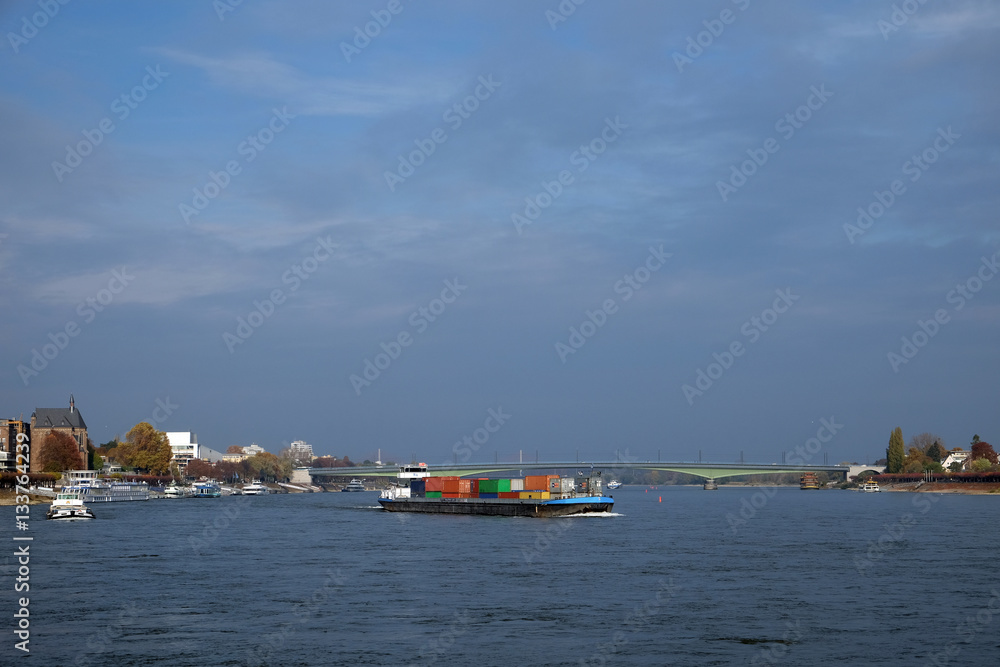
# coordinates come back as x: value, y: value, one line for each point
x: 69, y: 505
x: 870, y: 487
x: 255, y: 488
x: 95, y: 490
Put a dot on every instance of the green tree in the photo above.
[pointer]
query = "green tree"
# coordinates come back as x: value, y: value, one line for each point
x: 59, y: 452
x: 936, y: 452
x: 894, y: 453
x: 981, y: 465
x: 145, y: 448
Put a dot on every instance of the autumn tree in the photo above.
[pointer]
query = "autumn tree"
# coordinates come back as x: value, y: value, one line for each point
x: 147, y: 449
x: 59, y: 452
x: 197, y: 468
x: 984, y: 450
x: 234, y: 449
x: 894, y: 453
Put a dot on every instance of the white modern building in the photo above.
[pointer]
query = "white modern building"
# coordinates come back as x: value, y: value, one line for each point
x: 185, y: 447
x: 301, y: 451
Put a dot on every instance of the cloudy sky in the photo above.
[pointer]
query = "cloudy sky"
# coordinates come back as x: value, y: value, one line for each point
x: 667, y: 228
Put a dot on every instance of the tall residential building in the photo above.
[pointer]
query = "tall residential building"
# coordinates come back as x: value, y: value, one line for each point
x: 301, y: 451
x: 185, y: 447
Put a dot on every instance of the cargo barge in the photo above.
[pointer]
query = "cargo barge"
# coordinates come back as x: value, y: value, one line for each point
x: 535, y: 496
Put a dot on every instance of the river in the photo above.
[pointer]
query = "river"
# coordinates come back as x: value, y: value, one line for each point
x: 676, y: 576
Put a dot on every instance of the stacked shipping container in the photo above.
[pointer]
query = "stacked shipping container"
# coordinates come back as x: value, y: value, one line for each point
x: 532, y: 487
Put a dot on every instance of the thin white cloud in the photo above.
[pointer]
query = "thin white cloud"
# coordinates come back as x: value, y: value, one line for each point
x: 263, y: 76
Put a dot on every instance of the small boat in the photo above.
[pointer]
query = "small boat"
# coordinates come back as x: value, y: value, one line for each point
x: 710, y: 484
x: 255, y: 488
x: 870, y: 487
x: 614, y: 484
x: 207, y: 490
x: 67, y: 506
x: 174, y: 490
x: 354, y: 485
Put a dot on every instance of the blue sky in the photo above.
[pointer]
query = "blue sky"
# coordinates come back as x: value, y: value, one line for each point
x: 471, y: 191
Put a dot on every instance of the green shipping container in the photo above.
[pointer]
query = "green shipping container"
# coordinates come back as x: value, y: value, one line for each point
x: 432, y: 494
x: 494, y: 485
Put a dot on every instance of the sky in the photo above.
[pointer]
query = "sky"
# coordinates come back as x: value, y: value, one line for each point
x: 477, y: 231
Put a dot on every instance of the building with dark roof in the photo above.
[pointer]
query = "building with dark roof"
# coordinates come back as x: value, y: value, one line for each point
x: 65, y: 420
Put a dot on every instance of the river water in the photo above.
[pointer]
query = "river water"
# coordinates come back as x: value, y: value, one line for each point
x: 677, y: 576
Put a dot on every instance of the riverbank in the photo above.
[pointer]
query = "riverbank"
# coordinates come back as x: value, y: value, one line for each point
x: 8, y: 498
x: 965, y: 488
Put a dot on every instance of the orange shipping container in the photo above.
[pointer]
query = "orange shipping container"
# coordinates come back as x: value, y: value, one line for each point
x: 446, y: 494
x: 435, y: 484
x: 532, y: 482
x: 465, y: 486
x: 451, y: 486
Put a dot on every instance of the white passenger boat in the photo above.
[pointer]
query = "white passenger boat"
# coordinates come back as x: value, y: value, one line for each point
x: 255, y: 488
x: 354, y: 485
x: 95, y: 490
x: 870, y: 487
x: 174, y: 490
x: 614, y: 484
x: 69, y: 505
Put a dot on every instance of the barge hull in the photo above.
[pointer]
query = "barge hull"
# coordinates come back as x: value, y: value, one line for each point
x: 499, y: 507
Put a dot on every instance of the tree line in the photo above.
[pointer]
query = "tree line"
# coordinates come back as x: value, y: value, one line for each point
x: 927, y: 451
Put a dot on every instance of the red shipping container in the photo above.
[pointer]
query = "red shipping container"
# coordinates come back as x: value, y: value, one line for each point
x: 446, y: 494
x: 465, y: 486
x: 451, y: 485
x: 435, y: 484
x: 509, y: 494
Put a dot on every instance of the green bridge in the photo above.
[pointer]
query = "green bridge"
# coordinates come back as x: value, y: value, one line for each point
x: 704, y: 470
